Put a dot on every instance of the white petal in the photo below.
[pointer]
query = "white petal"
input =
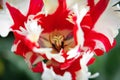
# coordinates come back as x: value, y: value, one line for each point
x: 47, y: 75
x: 94, y: 75
x: 50, y: 6
x: 83, y: 74
x: 5, y: 21
x: 47, y: 51
x: 58, y: 57
x: 99, y: 45
x: 73, y: 52
x: 31, y: 31
x: 71, y: 3
x: 66, y: 76
x: 5, y: 25
x: 80, y: 14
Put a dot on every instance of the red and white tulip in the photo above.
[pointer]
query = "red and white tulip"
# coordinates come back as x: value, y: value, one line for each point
x: 59, y: 38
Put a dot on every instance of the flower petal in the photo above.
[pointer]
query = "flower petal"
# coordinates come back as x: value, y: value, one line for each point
x: 35, y: 6
x: 49, y: 74
x: 111, y: 24
x: 83, y: 74
x: 50, y: 6
x: 22, y: 5
x: 5, y: 23
x: 18, y: 18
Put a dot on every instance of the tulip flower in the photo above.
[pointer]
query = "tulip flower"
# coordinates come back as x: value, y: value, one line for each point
x: 59, y: 38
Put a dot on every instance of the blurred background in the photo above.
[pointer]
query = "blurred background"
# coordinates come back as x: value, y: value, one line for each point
x: 13, y: 67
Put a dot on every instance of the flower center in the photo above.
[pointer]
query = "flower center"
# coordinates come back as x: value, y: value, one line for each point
x: 57, y: 41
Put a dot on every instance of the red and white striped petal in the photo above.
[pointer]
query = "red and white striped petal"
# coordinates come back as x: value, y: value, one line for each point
x: 80, y: 15
x: 111, y: 23
x: 22, y: 5
x: 83, y: 73
x: 48, y: 53
x: 49, y: 74
x: 5, y: 18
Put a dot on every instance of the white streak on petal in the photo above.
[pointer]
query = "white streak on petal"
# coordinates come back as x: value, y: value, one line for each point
x: 34, y: 30
x: 5, y: 21
x: 42, y: 50
x: 83, y: 74
x: 38, y: 59
x: 72, y: 53
x: 66, y: 76
x: 47, y: 51
x: 50, y: 6
x: 27, y: 58
x: 48, y: 74
x: 14, y: 47
x: 86, y: 57
x: 94, y: 75
x: 80, y: 15
x: 4, y: 25
x: 99, y: 45
x: 31, y: 31
x: 81, y: 3
x: 108, y: 23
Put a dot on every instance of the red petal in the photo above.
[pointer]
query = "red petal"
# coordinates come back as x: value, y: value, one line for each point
x: 35, y: 7
x: 38, y: 68
x: 22, y: 49
x: 57, y: 20
x: 99, y: 52
x: 18, y: 18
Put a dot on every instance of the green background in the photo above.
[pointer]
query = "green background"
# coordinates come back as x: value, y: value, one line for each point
x: 13, y: 67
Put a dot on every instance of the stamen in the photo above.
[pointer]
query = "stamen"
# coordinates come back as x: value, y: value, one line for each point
x: 57, y: 40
